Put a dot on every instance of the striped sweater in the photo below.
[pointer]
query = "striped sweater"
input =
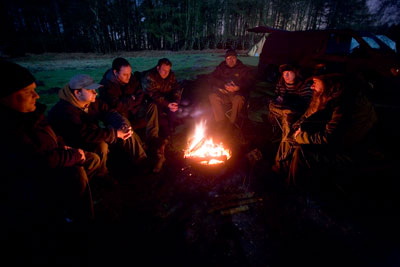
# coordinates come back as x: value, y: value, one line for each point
x: 297, y: 96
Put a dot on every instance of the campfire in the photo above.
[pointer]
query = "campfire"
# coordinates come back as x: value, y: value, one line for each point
x: 203, y: 150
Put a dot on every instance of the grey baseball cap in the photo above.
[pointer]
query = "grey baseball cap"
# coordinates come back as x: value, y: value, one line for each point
x: 83, y: 81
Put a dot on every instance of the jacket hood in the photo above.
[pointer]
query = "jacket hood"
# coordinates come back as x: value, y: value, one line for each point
x: 110, y: 77
x: 66, y: 94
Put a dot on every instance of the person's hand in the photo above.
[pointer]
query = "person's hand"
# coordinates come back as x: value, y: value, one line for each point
x: 173, y: 106
x: 231, y: 87
x: 133, y: 97
x: 297, y: 132
x: 67, y: 147
x: 124, y: 132
x: 83, y: 157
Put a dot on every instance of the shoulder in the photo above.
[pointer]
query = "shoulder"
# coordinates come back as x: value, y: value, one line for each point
x: 62, y: 108
x: 241, y: 66
x: 107, y: 77
x: 150, y: 73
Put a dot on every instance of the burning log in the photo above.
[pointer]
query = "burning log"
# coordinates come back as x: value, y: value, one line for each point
x: 234, y: 204
x: 197, y: 146
x: 204, y: 151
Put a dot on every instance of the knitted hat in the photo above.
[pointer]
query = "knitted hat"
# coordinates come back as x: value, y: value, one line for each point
x: 287, y: 67
x: 14, y: 78
x: 230, y: 52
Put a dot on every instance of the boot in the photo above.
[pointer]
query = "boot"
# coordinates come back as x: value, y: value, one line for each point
x: 160, y: 156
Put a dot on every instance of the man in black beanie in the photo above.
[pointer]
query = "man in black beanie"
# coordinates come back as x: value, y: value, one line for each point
x: 43, y: 182
x: 230, y: 83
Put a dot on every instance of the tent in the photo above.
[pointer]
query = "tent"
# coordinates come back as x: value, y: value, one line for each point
x: 255, y: 51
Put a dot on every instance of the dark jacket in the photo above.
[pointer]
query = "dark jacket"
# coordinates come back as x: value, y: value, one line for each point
x: 239, y: 74
x: 161, y: 91
x: 119, y: 96
x: 32, y: 160
x: 342, y: 124
x: 30, y: 139
x: 80, y: 128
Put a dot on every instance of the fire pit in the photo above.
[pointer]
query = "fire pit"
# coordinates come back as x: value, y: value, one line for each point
x: 203, y: 154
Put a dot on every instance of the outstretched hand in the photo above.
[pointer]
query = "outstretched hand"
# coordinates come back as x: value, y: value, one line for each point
x: 173, y: 106
x: 124, y: 132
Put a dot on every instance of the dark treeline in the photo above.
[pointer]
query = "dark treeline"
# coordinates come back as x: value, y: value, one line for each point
x: 104, y: 26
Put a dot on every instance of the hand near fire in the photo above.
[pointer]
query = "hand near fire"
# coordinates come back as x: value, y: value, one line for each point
x: 81, y: 152
x: 83, y: 157
x: 124, y: 132
x: 173, y: 106
x: 231, y: 87
x: 297, y: 133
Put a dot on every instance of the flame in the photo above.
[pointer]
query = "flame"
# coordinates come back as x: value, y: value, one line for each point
x: 204, y: 149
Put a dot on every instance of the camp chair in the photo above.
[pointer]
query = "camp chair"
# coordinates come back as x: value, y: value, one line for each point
x: 242, y: 116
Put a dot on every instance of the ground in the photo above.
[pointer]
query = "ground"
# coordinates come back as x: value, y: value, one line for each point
x: 240, y: 214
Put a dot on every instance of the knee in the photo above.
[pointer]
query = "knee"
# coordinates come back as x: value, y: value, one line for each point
x: 93, y: 159
x: 102, y: 148
x: 238, y: 100
x: 214, y: 98
x: 152, y: 108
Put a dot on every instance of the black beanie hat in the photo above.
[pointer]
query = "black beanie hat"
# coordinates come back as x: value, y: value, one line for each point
x: 230, y: 52
x: 13, y: 77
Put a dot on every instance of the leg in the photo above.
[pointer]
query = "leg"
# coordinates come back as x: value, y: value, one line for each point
x: 237, y: 105
x: 133, y: 147
x: 217, y: 105
x: 102, y: 151
x: 91, y: 164
x: 152, y: 126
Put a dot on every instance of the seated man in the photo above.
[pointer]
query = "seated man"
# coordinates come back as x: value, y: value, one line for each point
x: 163, y: 93
x: 43, y: 180
x: 161, y: 88
x: 76, y: 118
x: 123, y: 92
x: 230, y: 82
x: 293, y: 97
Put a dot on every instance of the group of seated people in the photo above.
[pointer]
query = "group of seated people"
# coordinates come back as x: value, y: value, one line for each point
x: 326, y: 122
x: 323, y: 118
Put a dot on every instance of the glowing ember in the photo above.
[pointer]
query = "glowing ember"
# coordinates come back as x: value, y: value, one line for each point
x: 205, y: 150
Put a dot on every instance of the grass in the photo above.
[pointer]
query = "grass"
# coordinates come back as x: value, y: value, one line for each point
x: 54, y: 70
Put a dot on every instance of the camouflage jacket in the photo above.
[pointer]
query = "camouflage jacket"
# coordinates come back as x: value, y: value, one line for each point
x: 162, y: 91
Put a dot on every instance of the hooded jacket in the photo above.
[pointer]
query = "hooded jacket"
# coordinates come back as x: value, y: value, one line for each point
x: 78, y: 125
x: 118, y: 96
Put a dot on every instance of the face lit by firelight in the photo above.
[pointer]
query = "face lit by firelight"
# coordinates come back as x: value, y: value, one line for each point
x: 23, y: 100
x: 318, y: 86
x: 124, y: 74
x: 231, y: 61
x: 164, y: 70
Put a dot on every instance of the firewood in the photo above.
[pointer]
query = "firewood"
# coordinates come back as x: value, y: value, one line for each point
x: 234, y: 204
x: 235, y: 210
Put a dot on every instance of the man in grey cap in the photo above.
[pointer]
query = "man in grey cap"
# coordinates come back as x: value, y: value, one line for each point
x: 76, y: 118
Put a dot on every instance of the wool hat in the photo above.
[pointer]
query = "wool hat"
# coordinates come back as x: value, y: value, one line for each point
x: 83, y: 81
x: 230, y: 52
x: 287, y: 67
x: 14, y: 78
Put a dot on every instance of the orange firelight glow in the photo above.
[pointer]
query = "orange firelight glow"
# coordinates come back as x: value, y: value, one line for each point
x: 205, y: 150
